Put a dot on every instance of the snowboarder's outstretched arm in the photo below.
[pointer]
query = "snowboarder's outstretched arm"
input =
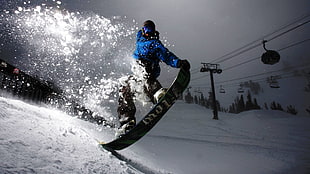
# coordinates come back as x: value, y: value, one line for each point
x: 165, y: 55
x: 169, y: 58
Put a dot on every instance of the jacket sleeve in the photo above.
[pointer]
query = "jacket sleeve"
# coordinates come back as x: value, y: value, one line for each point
x: 136, y: 52
x: 166, y: 56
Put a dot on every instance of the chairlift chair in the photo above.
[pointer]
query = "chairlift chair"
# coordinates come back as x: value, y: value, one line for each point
x: 273, y: 82
x: 222, y: 90
x: 240, y: 90
x: 270, y: 57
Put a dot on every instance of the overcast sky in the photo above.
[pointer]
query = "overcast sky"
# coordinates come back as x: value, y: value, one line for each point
x: 203, y: 30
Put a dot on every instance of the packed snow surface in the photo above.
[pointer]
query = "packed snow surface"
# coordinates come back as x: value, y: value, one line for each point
x: 38, y: 139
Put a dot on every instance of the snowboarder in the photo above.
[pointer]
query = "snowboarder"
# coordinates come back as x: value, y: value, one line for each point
x: 149, y: 53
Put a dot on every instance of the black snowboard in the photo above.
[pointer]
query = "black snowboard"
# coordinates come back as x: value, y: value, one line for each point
x: 157, y: 112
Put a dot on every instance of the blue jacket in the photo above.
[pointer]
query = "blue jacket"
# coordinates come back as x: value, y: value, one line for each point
x: 152, y: 50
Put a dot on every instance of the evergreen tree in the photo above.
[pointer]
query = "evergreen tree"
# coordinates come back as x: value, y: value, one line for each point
x: 256, y: 106
x: 266, y: 106
x: 291, y: 109
x: 188, y: 98
x: 218, y: 105
x: 249, y: 105
x: 235, y: 108
x: 196, y: 99
x: 207, y: 104
x: 202, y: 100
x: 273, y: 105
x: 279, y: 107
x: 276, y: 106
x: 241, y: 105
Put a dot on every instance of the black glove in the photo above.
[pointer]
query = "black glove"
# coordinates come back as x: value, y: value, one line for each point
x: 184, y: 64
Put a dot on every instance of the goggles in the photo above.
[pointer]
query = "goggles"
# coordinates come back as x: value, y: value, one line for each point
x: 148, y: 29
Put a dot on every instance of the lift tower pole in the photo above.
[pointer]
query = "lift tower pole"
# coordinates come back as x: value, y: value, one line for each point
x: 212, y: 68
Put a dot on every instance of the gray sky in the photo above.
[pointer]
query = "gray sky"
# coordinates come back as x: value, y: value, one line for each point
x: 206, y: 30
x: 203, y: 30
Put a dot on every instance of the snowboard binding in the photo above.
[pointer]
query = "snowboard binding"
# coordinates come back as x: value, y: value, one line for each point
x: 159, y: 94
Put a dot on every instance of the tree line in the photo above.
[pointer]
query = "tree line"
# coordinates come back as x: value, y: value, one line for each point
x: 239, y: 104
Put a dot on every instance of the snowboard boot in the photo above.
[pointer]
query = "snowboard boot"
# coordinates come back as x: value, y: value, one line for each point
x: 125, y: 127
x: 159, y: 94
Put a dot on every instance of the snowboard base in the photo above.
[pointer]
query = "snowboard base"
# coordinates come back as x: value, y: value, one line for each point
x: 157, y: 112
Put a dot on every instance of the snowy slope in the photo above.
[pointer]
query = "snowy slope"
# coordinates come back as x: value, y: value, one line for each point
x: 40, y: 140
x: 35, y: 139
x: 54, y: 42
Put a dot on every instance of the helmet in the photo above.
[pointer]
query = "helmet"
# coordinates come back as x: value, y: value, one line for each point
x: 148, y: 27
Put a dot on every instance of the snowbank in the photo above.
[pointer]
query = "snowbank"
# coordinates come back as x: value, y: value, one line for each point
x: 34, y: 139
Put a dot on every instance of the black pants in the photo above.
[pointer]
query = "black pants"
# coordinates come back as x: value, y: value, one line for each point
x: 126, y: 107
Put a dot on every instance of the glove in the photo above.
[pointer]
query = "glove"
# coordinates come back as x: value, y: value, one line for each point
x: 184, y: 64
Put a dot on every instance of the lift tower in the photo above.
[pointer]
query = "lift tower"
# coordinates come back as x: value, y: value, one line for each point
x: 212, y: 68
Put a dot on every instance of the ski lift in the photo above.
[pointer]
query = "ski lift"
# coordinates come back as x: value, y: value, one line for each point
x: 222, y: 90
x: 270, y: 56
x: 198, y: 91
x: 214, y: 68
x: 273, y: 83
x: 240, y: 90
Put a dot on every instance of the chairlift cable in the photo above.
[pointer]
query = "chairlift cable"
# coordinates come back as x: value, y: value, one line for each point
x: 253, y: 80
x: 234, y: 66
x: 196, y: 70
x: 262, y: 73
x: 294, y: 44
x: 289, y: 30
x: 200, y: 77
x: 251, y: 43
x: 255, y: 75
x: 281, y: 49
x: 254, y: 46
